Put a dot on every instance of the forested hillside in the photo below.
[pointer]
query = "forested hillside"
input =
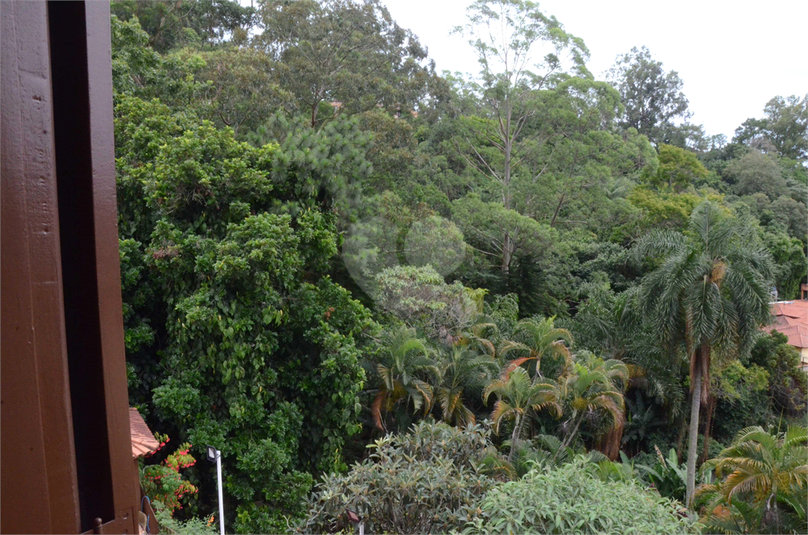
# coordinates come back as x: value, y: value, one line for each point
x: 451, y: 302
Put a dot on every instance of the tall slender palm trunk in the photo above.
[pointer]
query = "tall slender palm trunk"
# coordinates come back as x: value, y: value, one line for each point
x: 708, y: 424
x: 693, y: 439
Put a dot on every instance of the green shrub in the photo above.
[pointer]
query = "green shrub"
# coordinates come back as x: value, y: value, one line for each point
x: 571, y: 499
x: 425, y: 481
x: 668, y: 476
x: 192, y: 526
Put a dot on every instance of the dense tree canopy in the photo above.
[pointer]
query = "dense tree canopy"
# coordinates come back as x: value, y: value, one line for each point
x: 327, y: 247
x: 653, y: 98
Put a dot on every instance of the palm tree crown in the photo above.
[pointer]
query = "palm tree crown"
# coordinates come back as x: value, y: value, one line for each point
x: 595, y: 388
x: 540, y: 339
x: 462, y: 369
x: 406, y: 366
x: 765, y: 468
x: 517, y: 394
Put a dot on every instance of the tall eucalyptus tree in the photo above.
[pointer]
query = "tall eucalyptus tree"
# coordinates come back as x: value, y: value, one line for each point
x: 521, y: 51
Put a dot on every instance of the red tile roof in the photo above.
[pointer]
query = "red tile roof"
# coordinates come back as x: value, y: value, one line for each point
x: 791, y: 319
x: 143, y: 441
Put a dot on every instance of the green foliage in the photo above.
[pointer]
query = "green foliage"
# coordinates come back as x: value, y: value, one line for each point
x: 624, y: 471
x: 710, y: 293
x: 756, y: 172
x: 790, y: 267
x: 521, y: 51
x: 424, y: 481
x: 783, y: 129
x: 138, y: 70
x: 169, y: 24
x: 191, y: 526
x: 667, y: 476
x: 787, y: 383
x: 766, y: 470
x: 664, y: 209
x: 254, y: 334
x: 593, y: 391
x: 437, y: 242
x: 516, y: 395
x: 420, y: 297
x: 462, y: 372
x: 483, y: 222
x: 571, y: 499
x: 678, y: 168
x: 743, y: 398
x: 245, y: 141
x: 405, y: 369
x: 238, y: 86
x: 653, y: 99
x: 348, y: 54
x: 320, y: 168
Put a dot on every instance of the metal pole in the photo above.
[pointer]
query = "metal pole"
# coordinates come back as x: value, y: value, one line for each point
x: 221, y: 499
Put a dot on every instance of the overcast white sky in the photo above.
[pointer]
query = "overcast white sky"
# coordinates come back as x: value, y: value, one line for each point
x: 733, y: 56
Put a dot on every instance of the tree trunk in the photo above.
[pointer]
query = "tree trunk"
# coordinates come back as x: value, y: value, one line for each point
x: 517, y: 424
x: 693, y: 439
x: 506, y: 191
x: 506, y: 253
x: 558, y: 209
x: 314, y: 109
x: 609, y: 444
x: 680, y: 438
x: 705, y: 453
x: 568, y: 440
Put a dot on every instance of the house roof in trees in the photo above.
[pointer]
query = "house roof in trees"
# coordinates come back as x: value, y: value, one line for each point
x: 143, y: 441
x: 791, y: 319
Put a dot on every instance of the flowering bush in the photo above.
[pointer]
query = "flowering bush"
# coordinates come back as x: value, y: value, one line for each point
x: 163, y: 483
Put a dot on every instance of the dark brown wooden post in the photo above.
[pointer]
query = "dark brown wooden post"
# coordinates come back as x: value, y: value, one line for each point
x: 39, y: 490
x: 66, y: 451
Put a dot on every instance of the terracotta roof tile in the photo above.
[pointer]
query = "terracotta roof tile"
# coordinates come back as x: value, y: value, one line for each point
x: 143, y: 441
x: 791, y: 319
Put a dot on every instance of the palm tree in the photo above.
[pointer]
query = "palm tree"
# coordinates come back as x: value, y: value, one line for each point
x: 463, y: 370
x: 594, y: 387
x: 542, y: 339
x: 766, y: 468
x: 710, y: 291
x: 406, y: 365
x: 481, y: 336
x: 612, y: 325
x: 517, y: 394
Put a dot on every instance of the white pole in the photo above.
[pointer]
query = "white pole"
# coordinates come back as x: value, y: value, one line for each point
x: 362, y: 528
x: 221, y: 500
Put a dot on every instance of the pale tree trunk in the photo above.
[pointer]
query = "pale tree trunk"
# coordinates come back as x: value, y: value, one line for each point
x: 680, y: 438
x: 693, y: 439
x: 517, y: 428
x: 506, y: 253
x: 705, y: 452
x: 506, y: 193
